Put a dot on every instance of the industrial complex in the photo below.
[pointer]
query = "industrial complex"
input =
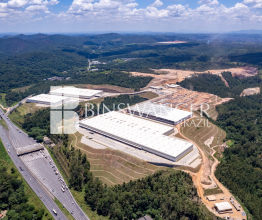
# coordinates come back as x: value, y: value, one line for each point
x: 48, y: 99
x: 139, y: 133
x: 76, y: 92
x: 160, y: 113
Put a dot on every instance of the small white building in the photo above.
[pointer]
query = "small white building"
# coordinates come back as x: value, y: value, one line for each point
x: 156, y: 87
x: 172, y: 85
x: 223, y: 207
x: 48, y: 99
x: 76, y: 92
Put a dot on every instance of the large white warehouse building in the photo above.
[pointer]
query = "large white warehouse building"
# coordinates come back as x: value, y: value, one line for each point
x: 76, y: 92
x: 140, y: 133
x: 160, y: 113
x: 48, y: 99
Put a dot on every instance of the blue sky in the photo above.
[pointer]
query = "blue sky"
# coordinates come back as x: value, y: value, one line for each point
x: 49, y: 16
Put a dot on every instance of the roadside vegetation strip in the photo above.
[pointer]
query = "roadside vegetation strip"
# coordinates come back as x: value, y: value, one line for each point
x: 33, y: 199
x: 64, y: 210
x: 3, y: 123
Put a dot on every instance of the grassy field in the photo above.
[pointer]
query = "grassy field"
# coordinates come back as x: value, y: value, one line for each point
x: 33, y: 199
x: 22, y: 89
x: 214, y: 191
x: 149, y: 95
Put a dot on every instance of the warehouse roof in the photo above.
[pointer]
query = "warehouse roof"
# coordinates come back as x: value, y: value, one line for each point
x: 139, y: 131
x: 47, y: 98
x: 223, y: 206
x: 161, y: 111
x: 72, y: 91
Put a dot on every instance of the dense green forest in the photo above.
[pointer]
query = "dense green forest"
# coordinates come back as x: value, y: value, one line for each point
x: 163, y: 195
x: 27, y: 69
x: 241, y: 168
x: 29, y: 59
x: 213, y: 84
x: 112, y: 78
x: 13, y: 197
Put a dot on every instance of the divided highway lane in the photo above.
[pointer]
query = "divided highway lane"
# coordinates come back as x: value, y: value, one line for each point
x: 35, y: 186
x: 20, y: 139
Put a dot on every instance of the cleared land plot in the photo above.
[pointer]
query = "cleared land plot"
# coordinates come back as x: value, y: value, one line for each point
x: 164, y: 76
x: 22, y: 89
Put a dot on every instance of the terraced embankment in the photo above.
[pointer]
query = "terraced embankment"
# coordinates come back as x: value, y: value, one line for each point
x: 111, y: 166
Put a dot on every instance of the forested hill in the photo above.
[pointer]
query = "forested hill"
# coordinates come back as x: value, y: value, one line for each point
x: 113, y: 78
x: 213, y: 84
x: 241, y: 168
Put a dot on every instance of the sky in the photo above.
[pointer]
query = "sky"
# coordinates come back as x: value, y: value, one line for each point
x: 83, y: 16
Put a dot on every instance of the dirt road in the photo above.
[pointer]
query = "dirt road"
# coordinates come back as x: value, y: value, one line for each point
x: 196, y: 177
x: 3, y: 107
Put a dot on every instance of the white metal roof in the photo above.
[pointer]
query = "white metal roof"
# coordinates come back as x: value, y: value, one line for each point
x: 222, y: 206
x: 139, y: 131
x: 72, y: 91
x: 161, y: 111
x: 47, y: 98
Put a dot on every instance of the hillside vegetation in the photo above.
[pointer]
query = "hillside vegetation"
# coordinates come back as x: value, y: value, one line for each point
x: 241, y: 168
x: 213, y: 84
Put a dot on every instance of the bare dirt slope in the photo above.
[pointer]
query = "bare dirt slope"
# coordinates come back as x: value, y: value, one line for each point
x: 250, y: 91
x: 167, y: 76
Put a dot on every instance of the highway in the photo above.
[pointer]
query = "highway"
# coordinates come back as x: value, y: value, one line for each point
x: 39, y: 167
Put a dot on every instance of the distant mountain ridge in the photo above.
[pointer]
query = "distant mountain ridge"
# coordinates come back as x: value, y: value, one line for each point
x: 251, y: 31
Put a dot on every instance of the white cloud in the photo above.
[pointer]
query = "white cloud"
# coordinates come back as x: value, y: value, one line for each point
x: 252, y: 1
x: 157, y: 4
x: 259, y: 5
x: 208, y: 2
x: 256, y: 3
x: 131, y: 5
x: 19, y: 11
x: 17, y: 3
x: 176, y: 10
x: 106, y: 4
x: 36, y: 8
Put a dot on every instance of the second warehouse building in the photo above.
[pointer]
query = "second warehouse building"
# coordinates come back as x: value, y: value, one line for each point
x: 140, y: 133
x: 160, y: 113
